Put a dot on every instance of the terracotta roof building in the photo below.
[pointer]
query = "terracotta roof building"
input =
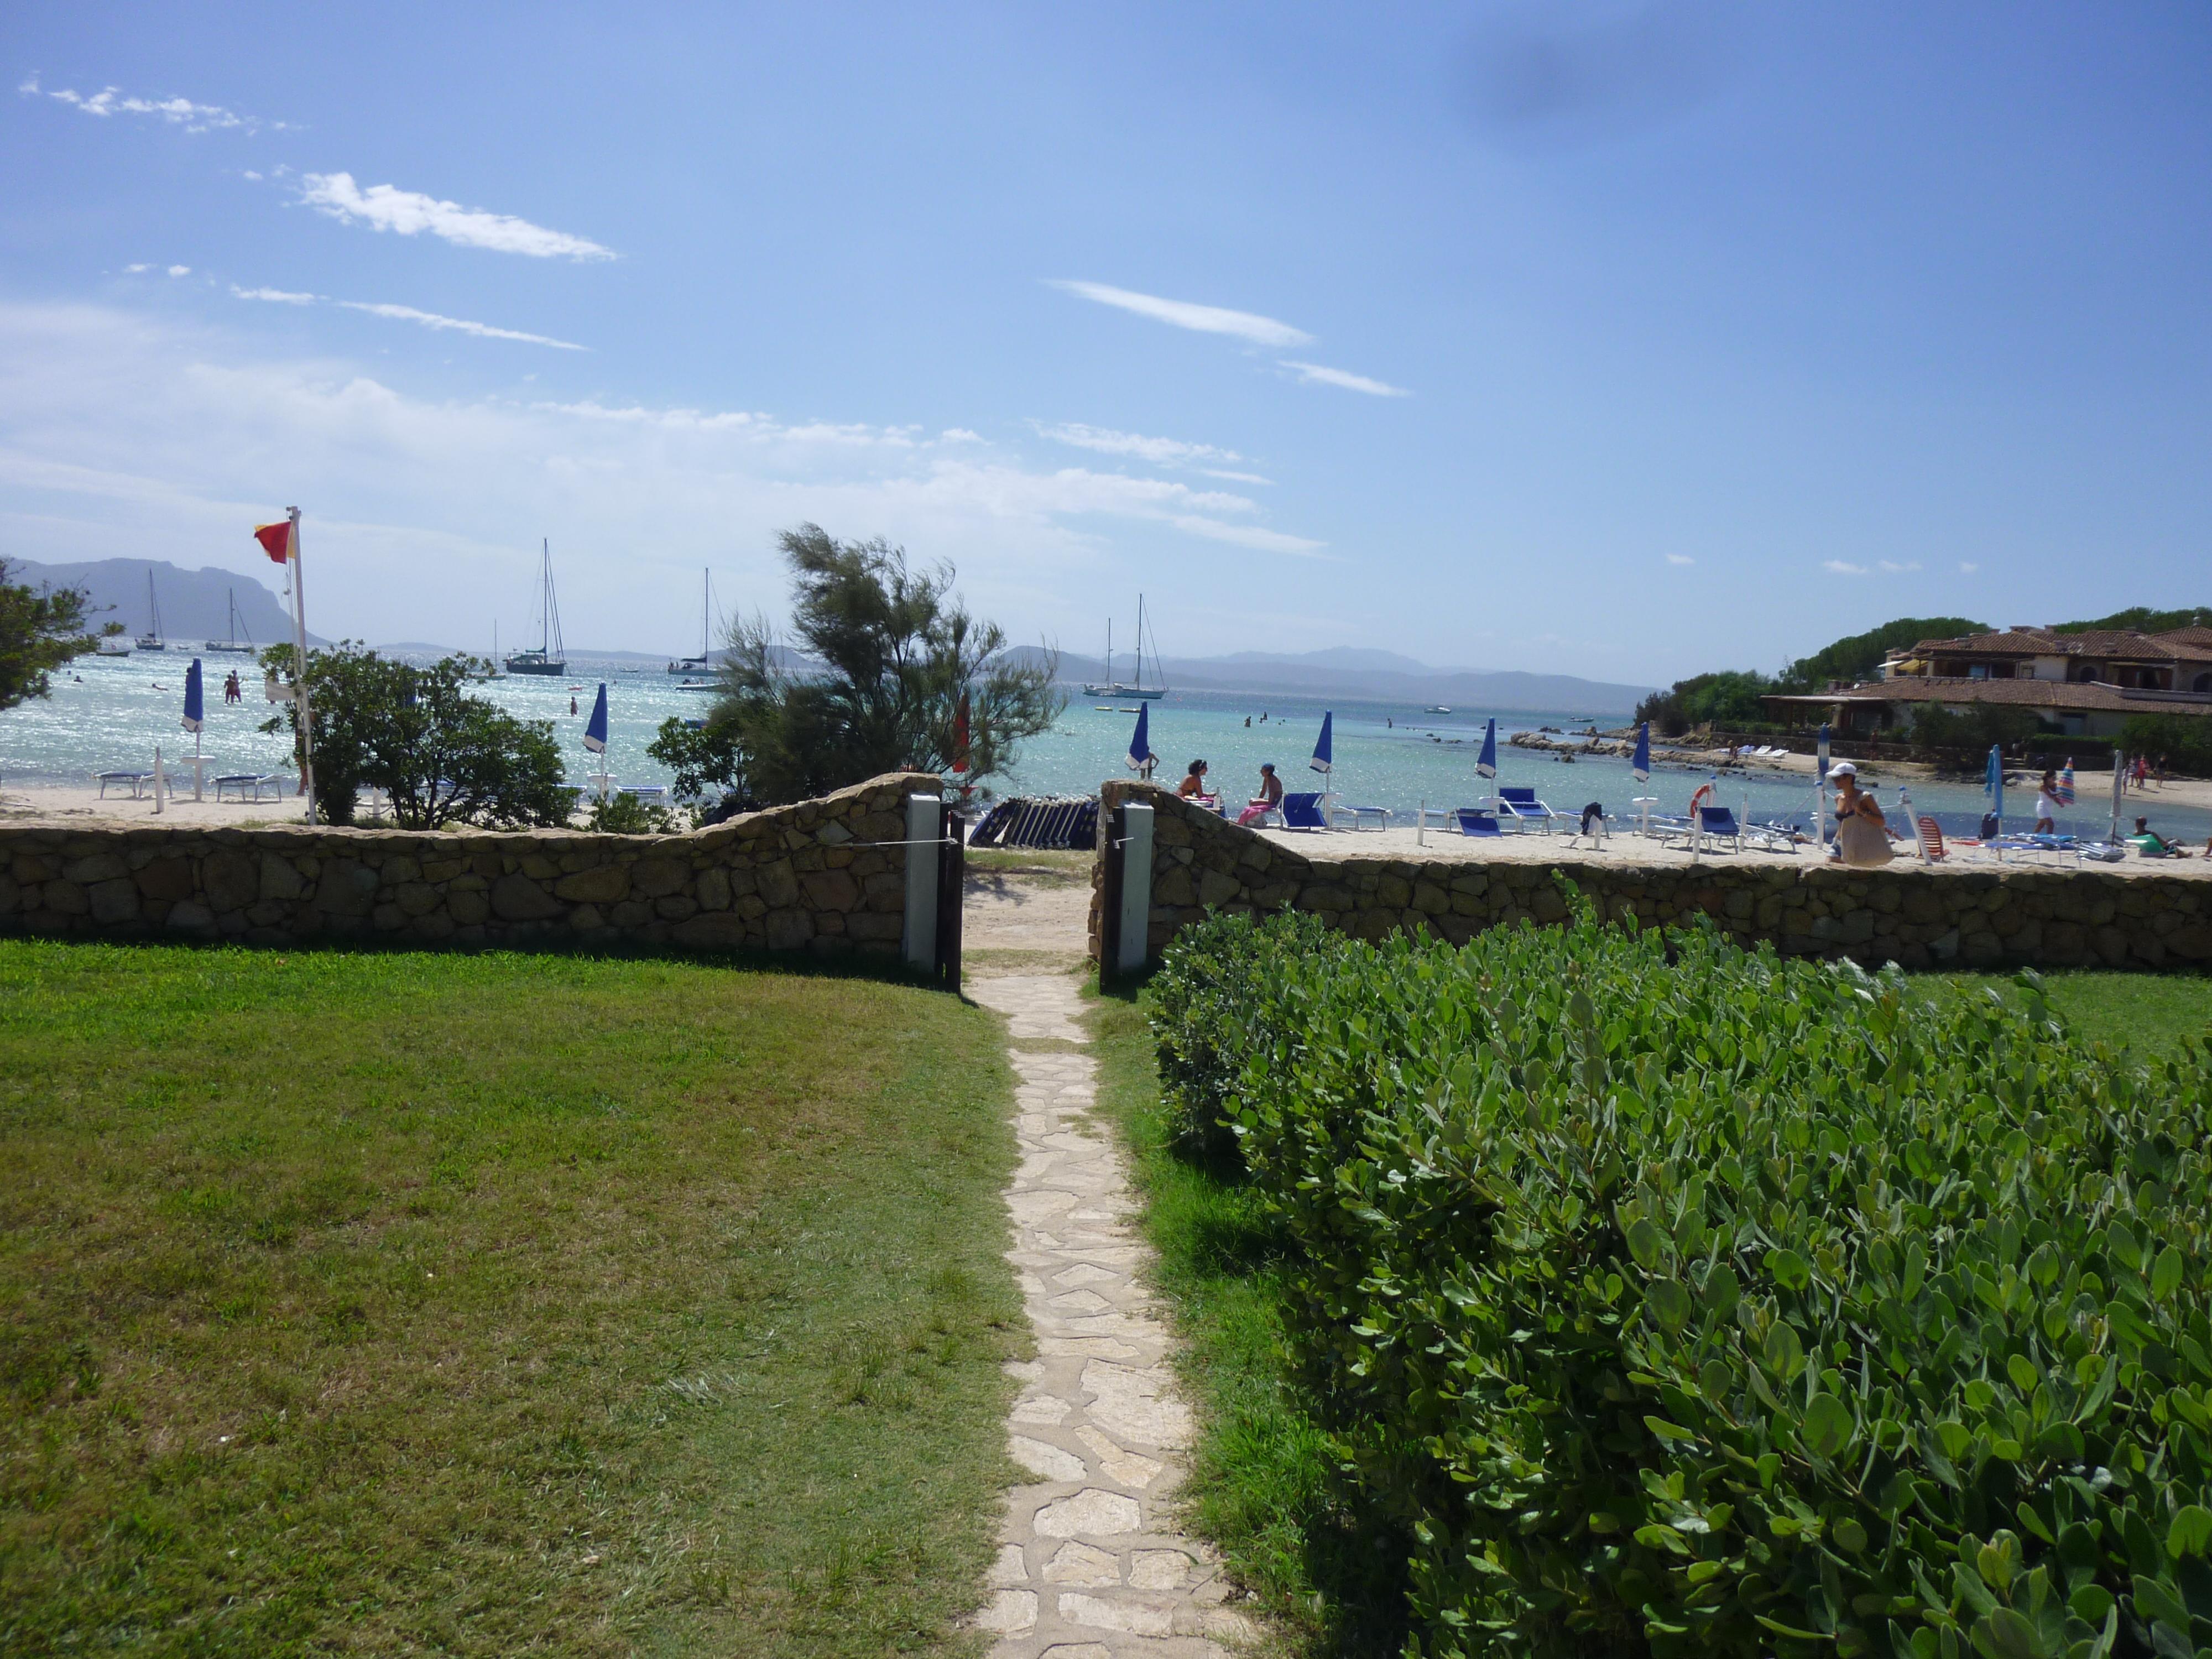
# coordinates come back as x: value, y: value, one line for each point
x: 2082, y: 683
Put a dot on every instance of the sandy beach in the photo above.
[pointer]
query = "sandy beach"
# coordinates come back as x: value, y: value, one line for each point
x: 1534, y: 846
x: 83, y: 804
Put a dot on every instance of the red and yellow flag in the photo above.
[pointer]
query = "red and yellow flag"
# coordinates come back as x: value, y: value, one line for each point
x: 275, y: 539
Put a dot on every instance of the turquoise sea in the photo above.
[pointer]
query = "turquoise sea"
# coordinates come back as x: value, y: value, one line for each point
x: 109, y: 713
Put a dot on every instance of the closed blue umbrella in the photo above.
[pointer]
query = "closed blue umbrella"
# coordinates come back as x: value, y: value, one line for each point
x: 1486, y: 764
x: 195, y: 718
x: 1641, y: 765
x: 1140, y: 741
x: 1324, y: 754
x: 595, y: 740
x: 195, y: 702
x: 595, y: 729
x: 1994, y: 784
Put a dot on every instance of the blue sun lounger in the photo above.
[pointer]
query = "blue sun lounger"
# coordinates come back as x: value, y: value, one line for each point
x: 248, y: 785
x: 1303, y: 813
x: 135, y: 782
x: 1473, y: 821
x: 1718, y: 824
x: 1521, y: 804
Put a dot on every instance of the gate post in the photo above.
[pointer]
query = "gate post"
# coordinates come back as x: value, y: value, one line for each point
x: 1133, y: 936
x: 952, y: 883
x: 924, y: 818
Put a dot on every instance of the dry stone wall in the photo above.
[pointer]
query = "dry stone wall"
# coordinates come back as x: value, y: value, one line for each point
x: 825, y: 876
x: 1961, y: 916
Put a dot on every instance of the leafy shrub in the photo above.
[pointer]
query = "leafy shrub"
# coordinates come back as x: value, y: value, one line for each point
x: 626, y: 815
x: 1673, y: 1298
x: 1211, y: 1002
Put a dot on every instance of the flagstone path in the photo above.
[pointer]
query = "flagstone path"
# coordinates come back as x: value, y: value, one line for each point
x: 1092, y: 1564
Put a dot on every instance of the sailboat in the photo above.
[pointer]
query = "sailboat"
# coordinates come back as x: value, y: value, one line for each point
x: 1111, y: 687
x: 236, y: 627
x: 151, y: 640
x: 703, y: 663
x: 547, y: 657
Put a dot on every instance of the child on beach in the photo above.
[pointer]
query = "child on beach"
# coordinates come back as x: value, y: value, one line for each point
x: 2046, y: 806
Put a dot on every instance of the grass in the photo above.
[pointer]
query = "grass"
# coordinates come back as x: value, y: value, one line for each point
x: 2146, y: 1013
x: 491, y: 1304
x: 1261, y: 1485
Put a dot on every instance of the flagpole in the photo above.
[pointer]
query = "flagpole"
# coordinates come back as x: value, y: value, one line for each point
x: 300, y: 669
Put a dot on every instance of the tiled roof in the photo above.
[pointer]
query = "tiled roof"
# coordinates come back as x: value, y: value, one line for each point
x: 2033, y: 694
x: 2190, y: 640
x: 2120, y: 643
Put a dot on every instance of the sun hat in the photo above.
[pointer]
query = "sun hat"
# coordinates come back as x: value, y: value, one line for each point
x: 1842, y: 769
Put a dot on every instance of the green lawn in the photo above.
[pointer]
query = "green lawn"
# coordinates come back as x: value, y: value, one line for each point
x: 1260, y: 1481
x: 493, y: 1304
x: 2149, y: 1014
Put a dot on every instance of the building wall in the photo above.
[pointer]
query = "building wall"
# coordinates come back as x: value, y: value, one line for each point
x: 824, y: 876
x: 1981, y: 915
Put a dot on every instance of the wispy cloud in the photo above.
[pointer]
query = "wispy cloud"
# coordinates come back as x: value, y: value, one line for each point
x: 1680, y: 558
x: 1967, y: 568
x: 406, y: 314
x: 1838, y: 568
x: 180, y: 270
x: 1889, y: 567
x: 1316, y: 374
x: 409, y: 213
x: 1160, y: 451
x: 432, y: 319
x: 1185, y: 313
x: 138, y: 269
x: 176, y: 112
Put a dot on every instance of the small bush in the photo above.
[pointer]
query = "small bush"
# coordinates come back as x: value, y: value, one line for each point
x: 626, y: 815
x: 1673, y: 1298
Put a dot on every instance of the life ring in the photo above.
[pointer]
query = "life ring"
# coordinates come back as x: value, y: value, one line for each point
x: 1704, y: 790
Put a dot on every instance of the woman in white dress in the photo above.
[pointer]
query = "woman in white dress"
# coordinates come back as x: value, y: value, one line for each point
x: 1862, y: 836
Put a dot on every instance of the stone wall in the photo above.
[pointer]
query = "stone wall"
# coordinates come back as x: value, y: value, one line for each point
x: 1975, y: 915
x: 826, y: 876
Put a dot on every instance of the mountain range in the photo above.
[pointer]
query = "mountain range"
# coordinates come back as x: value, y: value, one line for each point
x: 195, y: 608
x: 1371, y: 676
x: 195, y: 604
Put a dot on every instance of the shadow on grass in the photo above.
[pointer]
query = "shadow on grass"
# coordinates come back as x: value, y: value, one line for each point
x: 1264, y: 1484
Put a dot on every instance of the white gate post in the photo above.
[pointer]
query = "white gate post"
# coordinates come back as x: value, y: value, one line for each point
x: 925, y: 821
x: 1135, y: 931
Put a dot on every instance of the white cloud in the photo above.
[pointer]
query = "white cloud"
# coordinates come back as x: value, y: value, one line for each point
x: 432, y: 319
x: 117, y: 430
x: 1967, y: 569
x: 1680, y: 558
x: 1236, y: 478
x: 1838, y: 568
x: 383, y: 207
x: 176, y: 112
x: 135, y: 269
x: 959, y: 434
x: 251, y: 173
x: 1889, y: 569
x: 404, y: 314
x: 1315, y: 375
x: 1160, y: 451
x: 1183, y: 313
x: 180, y: 270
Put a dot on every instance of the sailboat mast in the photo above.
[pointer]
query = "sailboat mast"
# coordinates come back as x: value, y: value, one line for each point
x: 706, y: 604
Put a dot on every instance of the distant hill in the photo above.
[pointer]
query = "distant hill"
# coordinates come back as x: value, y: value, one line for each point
x: 1374, y: 676
x: 195, y: 607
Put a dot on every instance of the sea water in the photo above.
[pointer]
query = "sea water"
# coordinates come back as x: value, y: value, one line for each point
x: 108, y: 714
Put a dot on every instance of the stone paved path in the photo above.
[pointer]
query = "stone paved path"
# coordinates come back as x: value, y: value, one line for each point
x: 1091, y: 1563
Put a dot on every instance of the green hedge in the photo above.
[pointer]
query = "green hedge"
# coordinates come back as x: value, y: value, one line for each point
x: 1673, y: 1298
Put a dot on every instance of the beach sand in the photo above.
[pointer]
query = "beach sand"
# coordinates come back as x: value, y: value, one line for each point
x: 1534, y: 847
x: 82, y: 804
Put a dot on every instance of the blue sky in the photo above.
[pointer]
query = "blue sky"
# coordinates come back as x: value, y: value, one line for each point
x: 1599, y: 338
